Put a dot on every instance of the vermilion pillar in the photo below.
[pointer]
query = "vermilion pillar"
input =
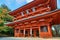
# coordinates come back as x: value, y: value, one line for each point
x: 49, y: 30
x: 16, y: 32
x: 24, y: 32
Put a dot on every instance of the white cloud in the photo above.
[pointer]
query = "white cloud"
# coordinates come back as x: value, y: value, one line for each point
x: 29, y: 1
x: 19, y: 1
x: 9, y: 1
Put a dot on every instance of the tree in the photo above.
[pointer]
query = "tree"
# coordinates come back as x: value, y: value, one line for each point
x: 4, y: 18
x: 56, y: 32
x: 5, y: 7
x: 6, y: 30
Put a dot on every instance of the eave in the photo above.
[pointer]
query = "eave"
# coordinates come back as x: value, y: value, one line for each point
x: 39, y: 15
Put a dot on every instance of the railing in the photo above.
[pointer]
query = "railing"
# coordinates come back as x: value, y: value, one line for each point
x: 35, y: 16
x: 40, y: 11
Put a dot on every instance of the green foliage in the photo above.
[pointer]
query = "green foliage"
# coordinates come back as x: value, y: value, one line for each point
x: 56, y: 31
x: 2, y: 24
x: 6, y: 30
x: 0, y: 11
x: 5, y: 7
x: 4, y: 18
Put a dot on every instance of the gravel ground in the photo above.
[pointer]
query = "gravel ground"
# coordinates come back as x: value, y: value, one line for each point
x: 19, y: 38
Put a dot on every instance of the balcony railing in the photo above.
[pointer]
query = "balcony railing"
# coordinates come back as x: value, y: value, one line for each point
x: 40, y: 11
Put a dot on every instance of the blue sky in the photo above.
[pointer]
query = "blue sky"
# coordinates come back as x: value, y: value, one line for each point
x: 58, y: 4
x: 14, y: 4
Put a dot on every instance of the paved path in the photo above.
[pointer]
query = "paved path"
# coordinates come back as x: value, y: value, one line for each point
x: 14, y: 38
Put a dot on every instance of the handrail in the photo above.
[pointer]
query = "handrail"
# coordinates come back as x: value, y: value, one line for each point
x: 31, y: 14
x: 40, y: 5
x: 45, y: 3
x: 34, y: 16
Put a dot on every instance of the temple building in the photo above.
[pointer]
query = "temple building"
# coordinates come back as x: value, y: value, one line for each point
x: 35, y: 19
